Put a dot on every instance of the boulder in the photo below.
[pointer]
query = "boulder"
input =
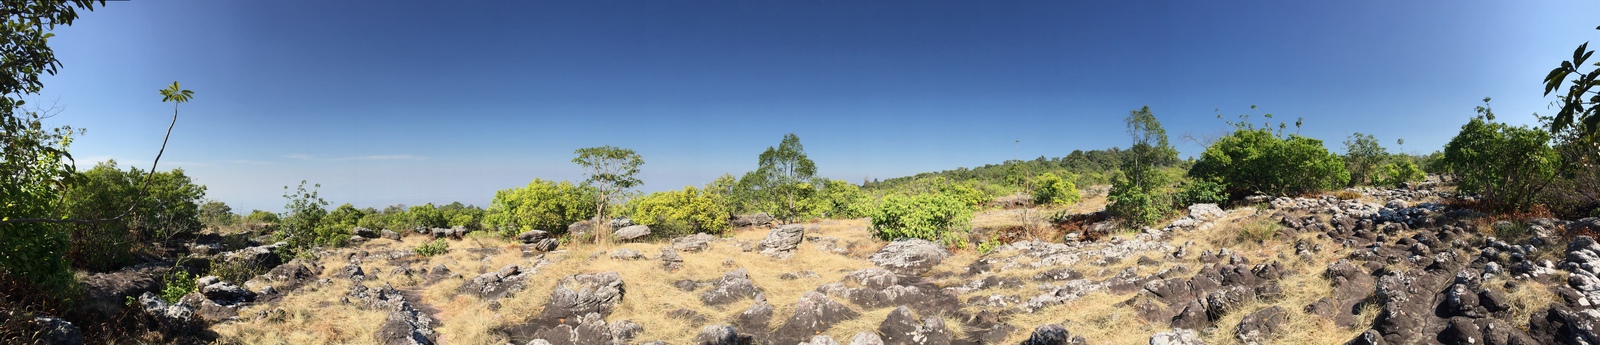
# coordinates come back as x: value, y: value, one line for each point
x: 821, y: 340
x: 225, y: 293
x: 533, y: 236
x: 1177, y: 336
x: 783, y: 241
x: 814, y: 314
x: 757, y: 317
x: 733, y: 286
x: 547, y: 245
x: 1206, y: 212
x: 364, y: 232
x: 866, y: 338
x: 1053, y: 334
x: 626, y: 254
x: 1259, y: 326
x: 582, y: 294
x: 693, y: 243
x: 621, y: 223
x: 910, y: 257
x: 497, y: 284
x: 758, y: 219
x: 720, y: 335
x: 54, y: 331
x: 670, y: 259
x: 391, y: 235
x: 624, y: 331
x: 902, y: 328
x: 580, y: 228
x: 631, y: 232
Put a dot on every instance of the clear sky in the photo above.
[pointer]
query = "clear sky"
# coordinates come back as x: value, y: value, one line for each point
x: 386, y: 102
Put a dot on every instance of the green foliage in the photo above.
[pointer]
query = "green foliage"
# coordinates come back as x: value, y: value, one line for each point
x: 1052, y: 190
x: 438, y: 246
x: 234, y: 270
x: 840, y: 199
x: 680, y: 212
x: 1397, y: 172
x: 783, y: 178
x: 1260, y: 161
x: 334, y: 229
x: 259, y: 217
x: 215, y: 214
x: 1362, y: 157
x: 611, y: 170
x: 303, y: 212
x: 1200, y: 191
x: 543, y: 205
x: 1507, y: 165
x: 1580, y: 106
x: 427, y: 216
x: 933, y: 216
x: 37, y: 166
x: 176, y: 284
x: 1139, y: 192
x: 170, y: 208
x: 457, y: 214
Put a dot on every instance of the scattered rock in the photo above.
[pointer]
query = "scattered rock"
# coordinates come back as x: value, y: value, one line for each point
x: 815, y: 313
x: 1053, y: 334
x: 720, y: 335
x: 910, y: 257
x: 758, y: 219
x: 733, y: 286
x: 1177, y: 336
x: 783, y: 241
x: 533, y: 236
x: 693, y: 243
x: 1258, y: 327
x: 631, y: 232
x: 626, y: 254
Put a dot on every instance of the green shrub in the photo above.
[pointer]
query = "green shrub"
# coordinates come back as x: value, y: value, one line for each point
x: 1053, y: 190
x: 680, y: 212
x: 169, y: 209
x: 1200, y: 191
x: 840, y: 199
x: 934, y: 217
x: 438, y: 246
x: 1137, y: 205
x: 1398, y: 172
x: 177, y: 283
x: 543, y: 205
x: 1362, y: 157
x: 426, y: 215
x: 234, y: 270
x: 1139, y: 192
x: 1507, y: 165
x: 1258, y: 161
x: 302, y: 214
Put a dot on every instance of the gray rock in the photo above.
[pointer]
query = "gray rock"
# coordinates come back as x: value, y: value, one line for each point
x: 821, y: 340
x: 626, y: 254
x: 153, y: 305
x: 547, y: 245
x: 624, y: 331
x: 364, y: 232
x: 533, y: 236
x: 621, y: 223
x: 631, y: 232
x: 910, y: 257
x: 1206, y: 212
x: 1259, y: 326
x: 1177, y: 336
x: 719, y: 335
x: 814, y: 314
x: 226, y: 293
x: 902, y: 328
x: 693, y: 243
x: 757, y: 219
x: 391, y: 235
x: 57, y: 331
x: 582, y: 294
x: 866, y: 338
x: 670, y: 259
x: 733, y: 286
x: 1052, y: 334
x: 495, y: 285
x: 783, y: 241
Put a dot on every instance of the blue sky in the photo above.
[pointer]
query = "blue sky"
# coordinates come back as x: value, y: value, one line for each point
x: 386, y: 102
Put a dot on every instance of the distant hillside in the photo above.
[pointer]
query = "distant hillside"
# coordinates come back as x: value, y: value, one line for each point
x: 1091, y: 167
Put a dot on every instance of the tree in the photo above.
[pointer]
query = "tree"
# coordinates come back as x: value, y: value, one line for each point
x: 1362, y: 157
x: 1138, y: 192
x: 1580, y: 106
x: 1266, y: 161
x: 784, y: 174
x: 1507, y: 165
x: 680, y: 212
x: 214, y: 213
x: 611, y: 171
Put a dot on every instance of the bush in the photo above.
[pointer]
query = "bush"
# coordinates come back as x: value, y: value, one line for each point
x: 1507, y: 165
x: 1138, y: 206
x: 542, y: 204
x: 1258, y: 161
x: 438, y: 246
x: 334, y: 229
x: 1200, y: 191
x: 840, y: 199
x: 1362, y: 156
x: 177, y: 284
x: 169, y: 209
x: 933, y: 217
x: 680, y: 212
x: 1398, y: 172
x: 1053, y: 190
x: 302, y: 214
x: 1139, y: 190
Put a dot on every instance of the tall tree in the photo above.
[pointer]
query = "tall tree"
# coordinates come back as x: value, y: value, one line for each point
x: 1136, y: 193
x: 784, y: 173
x: 611, y: 170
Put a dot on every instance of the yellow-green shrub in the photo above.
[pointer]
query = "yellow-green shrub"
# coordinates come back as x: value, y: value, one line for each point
x: 680, y: 212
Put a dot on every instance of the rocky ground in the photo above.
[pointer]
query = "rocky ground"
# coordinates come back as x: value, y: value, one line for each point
x: 1390, y: 267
